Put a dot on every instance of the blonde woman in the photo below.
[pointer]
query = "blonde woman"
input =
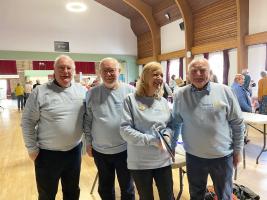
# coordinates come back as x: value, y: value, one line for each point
x: 144, y: 111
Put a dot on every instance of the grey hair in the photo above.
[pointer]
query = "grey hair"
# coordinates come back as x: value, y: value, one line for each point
x: 65, y: 57
x: 111, y: 60
x: 263, y: 74
x: 198, y: 61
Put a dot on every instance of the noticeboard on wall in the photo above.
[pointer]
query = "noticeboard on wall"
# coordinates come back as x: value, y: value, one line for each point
x: 61, y: 46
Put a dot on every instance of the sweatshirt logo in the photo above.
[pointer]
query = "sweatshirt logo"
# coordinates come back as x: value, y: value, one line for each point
x: 141, y: 106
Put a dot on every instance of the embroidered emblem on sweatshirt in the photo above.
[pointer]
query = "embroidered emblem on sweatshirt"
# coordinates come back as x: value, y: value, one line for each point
x: 219, y: 104
x: 142, y: 106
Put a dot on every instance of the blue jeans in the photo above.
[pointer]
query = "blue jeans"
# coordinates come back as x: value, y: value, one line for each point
x: 20, y: 100
x: 263, y: 106
x: 50, y: 166
x: 106, y: 165
x: 144, y: 183
x: 220, y: 170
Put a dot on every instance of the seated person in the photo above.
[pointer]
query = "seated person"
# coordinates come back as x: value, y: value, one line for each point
x: 241, y: 93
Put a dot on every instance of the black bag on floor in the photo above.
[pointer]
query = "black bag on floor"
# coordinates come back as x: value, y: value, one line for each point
x: 244, y: 193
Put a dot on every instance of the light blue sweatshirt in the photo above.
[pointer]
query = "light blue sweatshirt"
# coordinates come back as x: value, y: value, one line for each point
x: 139, y: 116
x: 103, y: 117
x: 211, y: 119
x: 53, y: 117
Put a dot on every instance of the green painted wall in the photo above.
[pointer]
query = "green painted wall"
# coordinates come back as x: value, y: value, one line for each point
x: 32, y: 73
x: 132, y: 67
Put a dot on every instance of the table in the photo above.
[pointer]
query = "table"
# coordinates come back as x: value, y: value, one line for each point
x: 179, y: 163
x: 253, y: 118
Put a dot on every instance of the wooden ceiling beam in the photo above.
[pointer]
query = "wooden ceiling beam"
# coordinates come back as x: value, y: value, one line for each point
x: 172, y: 55
x: 147, y: 13
x: 257, y: 38
x: 242, y: 31
x: 186, y: 13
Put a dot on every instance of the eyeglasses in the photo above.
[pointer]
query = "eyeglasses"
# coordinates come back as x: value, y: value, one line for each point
x: 109, y: 71
x: 64, y: 67
x: 200, y: 70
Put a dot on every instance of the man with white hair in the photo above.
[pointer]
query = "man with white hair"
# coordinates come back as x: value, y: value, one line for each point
x: 52, y: 129
x: 241, y: 93
x: 104, y: 105
x: 212, y: 131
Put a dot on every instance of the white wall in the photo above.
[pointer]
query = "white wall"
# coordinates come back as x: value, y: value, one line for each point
x: 172, y: 38
x: 233, y: 66
x: 257, y: 16
x: 32, y: 25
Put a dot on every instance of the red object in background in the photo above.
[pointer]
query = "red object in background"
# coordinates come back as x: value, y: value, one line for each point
x: 85, y: 67
x: 8, y: 67
x: 43, y: 65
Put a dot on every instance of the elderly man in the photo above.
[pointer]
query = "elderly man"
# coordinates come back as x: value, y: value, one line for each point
x: 212, y: 131
x: 102, y: 129
x: 241, y: 93
x: 52, y: 129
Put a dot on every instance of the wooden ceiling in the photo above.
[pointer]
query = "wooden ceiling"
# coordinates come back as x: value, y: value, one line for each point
x: 159, y: 9
x: 147, y: 16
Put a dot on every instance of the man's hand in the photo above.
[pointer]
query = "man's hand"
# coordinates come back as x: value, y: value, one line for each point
x: 237, y: 158
x: 89, y: 150
x: 33, y: 155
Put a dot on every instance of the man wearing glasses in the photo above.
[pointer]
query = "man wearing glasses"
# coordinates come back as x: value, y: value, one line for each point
x: 104, y: 106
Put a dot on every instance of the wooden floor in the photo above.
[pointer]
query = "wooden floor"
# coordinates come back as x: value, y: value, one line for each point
x: 17, y: 180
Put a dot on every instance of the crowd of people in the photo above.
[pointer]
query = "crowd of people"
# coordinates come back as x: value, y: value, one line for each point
x: 23, y: 93
x: 124, y: 127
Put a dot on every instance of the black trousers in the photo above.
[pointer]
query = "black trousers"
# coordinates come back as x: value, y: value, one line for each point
x: 144, y: 183
x: 106, y: 165
x: 50, y: 166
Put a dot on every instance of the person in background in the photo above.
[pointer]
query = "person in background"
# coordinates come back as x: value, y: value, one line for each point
x: 167, y: 92
x: 241, y: 93
x: 262, y: 93
x: 172, y: 83
x: 19, y: 92
x: 247, y: 81
x: 102, y: 131
x: 212, y: 131
x: 52, y: 129
x: 96, y: 82
x: 28, y: 91
x: 213, y: 77
x: 36, y: 84
x: 143, y: 113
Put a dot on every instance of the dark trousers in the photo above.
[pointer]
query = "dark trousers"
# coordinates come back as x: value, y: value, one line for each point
x: 144, y: 183
x: 263, y: 106
x: 26, y: 96
x: 220, y: 170
x: 20, y: 100
x: 106, y: 165
x: 50, y: 166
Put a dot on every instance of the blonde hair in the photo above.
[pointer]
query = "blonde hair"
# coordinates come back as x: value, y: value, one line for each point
x: 142, y: 83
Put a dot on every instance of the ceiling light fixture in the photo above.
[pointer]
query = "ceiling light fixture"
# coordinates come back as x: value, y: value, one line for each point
x: 76, y: 6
